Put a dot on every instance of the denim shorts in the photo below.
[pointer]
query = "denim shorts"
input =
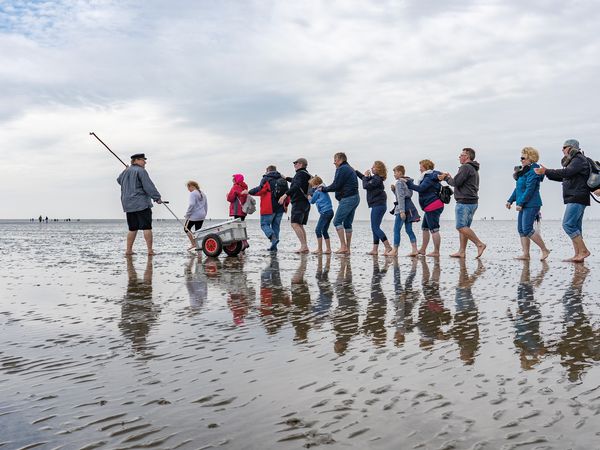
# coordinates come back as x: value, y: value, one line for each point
x: 573, y: 219
x: 464, y: 214
x: 344, y: 216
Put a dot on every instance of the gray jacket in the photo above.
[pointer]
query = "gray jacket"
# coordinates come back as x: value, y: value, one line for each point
x: 466, y: 183
x: 402, y: 193
x: 136, y: 189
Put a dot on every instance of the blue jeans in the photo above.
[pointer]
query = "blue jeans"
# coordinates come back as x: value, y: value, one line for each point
x: 323, y: 224
x: 377, y: 213
x: 398, y: 222
x: 525, y: 221
x: 464, y: 214
x: 573, y: 219
x: 344, y: 216
x: 270, y: 224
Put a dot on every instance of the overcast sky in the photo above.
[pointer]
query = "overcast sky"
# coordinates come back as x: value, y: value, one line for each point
x: 211, y: 88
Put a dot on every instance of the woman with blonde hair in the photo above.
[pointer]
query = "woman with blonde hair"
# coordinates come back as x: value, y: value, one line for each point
x: 372, y: 181
x: 527, y: 196
x: 196, y: 212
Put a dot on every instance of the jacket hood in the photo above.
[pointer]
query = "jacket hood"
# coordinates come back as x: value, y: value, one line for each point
x: 475, y: 164
x: 275, y: 175
x: 238, y: 178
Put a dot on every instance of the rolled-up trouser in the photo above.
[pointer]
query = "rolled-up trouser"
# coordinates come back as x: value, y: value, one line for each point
x: 344, y: 216
x: 377, y: 213
x: 526, y: 219
x: 573, y: 219
x: 398, y: 222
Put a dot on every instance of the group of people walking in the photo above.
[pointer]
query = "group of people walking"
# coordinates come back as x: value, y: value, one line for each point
x: 302, y: 190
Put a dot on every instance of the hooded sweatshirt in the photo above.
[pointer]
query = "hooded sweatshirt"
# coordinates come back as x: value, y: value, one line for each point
x: 466, y: 183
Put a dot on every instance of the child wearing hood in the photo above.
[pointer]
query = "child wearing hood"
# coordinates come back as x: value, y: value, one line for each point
x: 236, y: 199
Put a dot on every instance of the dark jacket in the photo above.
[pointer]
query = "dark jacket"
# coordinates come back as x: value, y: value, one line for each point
x: 527, y: 191
x: 299, y: 186
x: 345, y: 183
x: 574, y: 180
x: 375, y: 189
x: 265, y: 190
x: 428, y: 188
x: 466, y: 183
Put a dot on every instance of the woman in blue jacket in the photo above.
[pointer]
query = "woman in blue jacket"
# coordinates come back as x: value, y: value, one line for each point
x: 528, y: 199
x: 428, y: 188
x: 377, y: 201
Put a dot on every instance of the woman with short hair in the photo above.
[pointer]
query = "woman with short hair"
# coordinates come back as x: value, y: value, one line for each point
x: 527, y: 196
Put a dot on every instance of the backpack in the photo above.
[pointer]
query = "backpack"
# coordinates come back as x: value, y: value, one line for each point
x: 249, y: 206
x: 445, y: 194
x: 281, y: 187
x: 593, y: 181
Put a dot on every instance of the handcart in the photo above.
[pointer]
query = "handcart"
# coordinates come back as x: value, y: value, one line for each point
x: 225, y: 236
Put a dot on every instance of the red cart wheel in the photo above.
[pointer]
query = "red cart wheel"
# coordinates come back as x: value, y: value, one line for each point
x: 212, y: 245
x: 234, y: 248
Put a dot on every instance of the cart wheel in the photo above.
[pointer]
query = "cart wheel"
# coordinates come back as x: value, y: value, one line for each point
x: 234, y: 248
x: 212, y: 245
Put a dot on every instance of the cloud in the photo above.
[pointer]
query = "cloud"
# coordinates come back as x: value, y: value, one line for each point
x: 213, y: 87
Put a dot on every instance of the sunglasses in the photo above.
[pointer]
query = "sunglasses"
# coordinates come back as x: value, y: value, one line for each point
x: 566, y: 146
x: 523, y: 158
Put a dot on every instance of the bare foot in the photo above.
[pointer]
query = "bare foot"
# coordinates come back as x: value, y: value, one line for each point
x: 342, y: 250
x: 372, y: 252
x: 413, y: 254
x: 481, y: 248
x: 522, y: 257
x: 392, y: 253
x: 457, y: 255
x: 151, y: 253
x: 545, y: 254
x: 433, y: 254
x: 129, y: 253
x: 580, y: 258
x: 317, y: 252
x: 302, y: 250
x: 327, y: 252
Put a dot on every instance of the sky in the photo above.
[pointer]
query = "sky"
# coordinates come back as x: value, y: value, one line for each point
x: 211, y: 88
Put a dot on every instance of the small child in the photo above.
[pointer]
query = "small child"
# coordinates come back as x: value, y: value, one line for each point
x: 325, y: 209
x: 405, y: 211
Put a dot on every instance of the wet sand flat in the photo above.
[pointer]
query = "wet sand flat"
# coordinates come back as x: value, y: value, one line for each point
x: 289, y: 351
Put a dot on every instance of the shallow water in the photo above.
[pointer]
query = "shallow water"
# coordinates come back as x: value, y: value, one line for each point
x: 180, y: 351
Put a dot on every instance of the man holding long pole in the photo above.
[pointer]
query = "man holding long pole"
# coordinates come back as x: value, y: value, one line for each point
x: 137, y: 190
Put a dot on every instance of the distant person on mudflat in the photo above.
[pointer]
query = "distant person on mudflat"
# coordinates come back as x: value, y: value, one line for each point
x: 137, y: 191
x: 373, y: 183
x: 405, y: 212
x: 298, y: 194
x: 196, y: 212
x: 325, y: 209
x: 576, y: 194
x: 527, y: 196
x: 428, y: 187
x: 466, y: 195
x: 236, y: 199
x: 345, y: 186
x: 271, y: 187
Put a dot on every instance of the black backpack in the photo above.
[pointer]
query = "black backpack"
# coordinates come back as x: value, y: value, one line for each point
x: 593, y: 180
x: 445, y: 194
x: 281, y: 187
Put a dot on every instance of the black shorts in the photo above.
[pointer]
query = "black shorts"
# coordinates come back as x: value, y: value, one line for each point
x: 191, y: 224
x: 140, y: 220
x: 300, y: 213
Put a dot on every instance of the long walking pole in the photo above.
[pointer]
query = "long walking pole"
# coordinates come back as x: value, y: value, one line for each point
x: 163, y: 202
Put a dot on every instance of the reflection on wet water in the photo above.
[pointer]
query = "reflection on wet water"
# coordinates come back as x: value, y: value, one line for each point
x: 282, y: 350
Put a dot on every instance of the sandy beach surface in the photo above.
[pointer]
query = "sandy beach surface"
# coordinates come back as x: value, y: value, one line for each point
x: 286, y: 351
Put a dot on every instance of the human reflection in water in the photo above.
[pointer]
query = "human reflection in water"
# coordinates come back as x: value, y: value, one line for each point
x: 465, y: 326
x: 345, y: 316
x: 579, y: 343
x: 196, y: 282
x: 527, y: 319
x: 374, y: 323
x: 406, y: 297
x: 300, y: 316
x: 240, y: 294
x: 274, y: 298
x: 322, y: 306
x: 138, y: 312
x: 433, y: 315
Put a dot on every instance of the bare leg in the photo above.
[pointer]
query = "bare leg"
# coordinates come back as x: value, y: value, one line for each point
x: 192, y: 240
x: 415, y: 250
x: 525, y: 244
x: 342, y: 235
x: 537, y: 239
x: 582, y: 251
x: 425, y: 243
x: 130, y: 240
x: 328, y: 246
x: 462, y: 250
x: 388, y: 247
x: 471, y: 236
x: 301, y: 235
x: 149, y: 240
x: 319, y: 249
x: 374, y: 250
x: 348, y: 238
x: 392, y: 252
x: 437, y: 240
